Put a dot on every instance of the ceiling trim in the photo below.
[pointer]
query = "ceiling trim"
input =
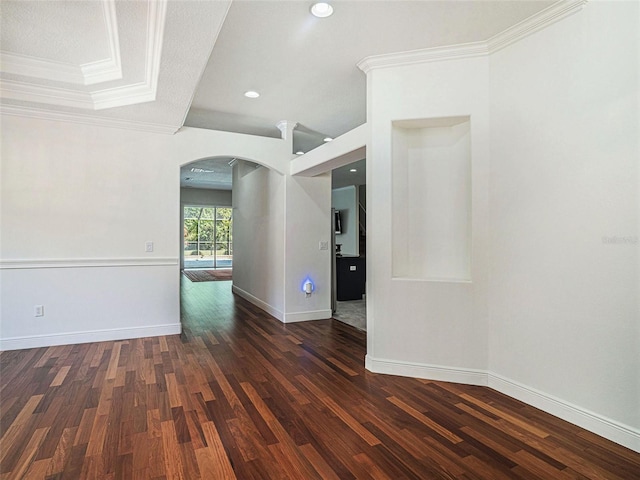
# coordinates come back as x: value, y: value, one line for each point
x: 138, y: 92
x: 111, y: 68
x: 540, y: 20
x: 39, y: 113
x: 91, y: 73
x: 413, y: 57
x: 44, y: 94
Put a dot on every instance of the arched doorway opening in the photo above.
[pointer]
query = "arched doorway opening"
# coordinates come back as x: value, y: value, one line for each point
x: 206, y: 214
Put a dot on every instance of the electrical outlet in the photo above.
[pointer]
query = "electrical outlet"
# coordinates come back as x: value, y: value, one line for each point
x: 148, y: 247
x: 352, y: 268
x: 38, y: 311
x: 324, y: 245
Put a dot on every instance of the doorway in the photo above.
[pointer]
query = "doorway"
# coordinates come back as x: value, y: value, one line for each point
x: 207, y: 237
x: 348, y: 201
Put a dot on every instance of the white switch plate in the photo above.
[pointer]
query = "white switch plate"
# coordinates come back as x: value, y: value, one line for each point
x: 352, y: 268
x: 38, y: 311
x: 324, y: 245
x: 148, y: 247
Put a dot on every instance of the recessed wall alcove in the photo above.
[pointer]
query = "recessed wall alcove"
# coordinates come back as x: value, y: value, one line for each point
x: 431, y: 199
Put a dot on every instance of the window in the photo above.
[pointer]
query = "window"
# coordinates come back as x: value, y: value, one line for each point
x: 208, y: 237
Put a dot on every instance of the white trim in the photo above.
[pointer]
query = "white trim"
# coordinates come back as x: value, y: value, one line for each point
x: 434, y: 280
x: 107, y: 335
x: 258, y: 303
x: 42, y: 114
x: 412, y: 57
x: 145, y: 91
x: 615, y: 431
x: 440, y: 373
x: 534, y: 23
x: 111, y: 68
x: 19, y: 264
x: 591, y: 421
x: 307, y: 316
x: 124, y: 95
x: 130, y: 94
x: 28, y: 66
x: 29, y: 92
x: 91, y: 73
x: 540, y: 20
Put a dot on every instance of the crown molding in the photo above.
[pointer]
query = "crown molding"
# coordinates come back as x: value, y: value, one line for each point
x: 138, y: 92
x: 86, y: 74
x: 29, y: 92
x: 535, y: 23
x: 34, y: 67
x: 143, y: 91
x: 84, y: 119
x: 110, y: 69
x: 412, y: 57
x: 539, y: 21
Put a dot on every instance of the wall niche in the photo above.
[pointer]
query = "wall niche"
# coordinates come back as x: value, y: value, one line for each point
x: 431, y: 199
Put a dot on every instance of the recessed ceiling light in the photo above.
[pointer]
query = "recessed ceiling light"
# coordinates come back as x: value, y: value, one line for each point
x: 321, y: 9
x: 328, y: 139
x: 353, y: 170
x: 251, y: 94
x: 299, y: 152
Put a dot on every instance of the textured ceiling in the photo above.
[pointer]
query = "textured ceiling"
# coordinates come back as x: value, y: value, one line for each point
x: 305, y: 67
x: 213, y: 173
x: 145, y: 64
x: 34, y: 30
x: 121, y: 63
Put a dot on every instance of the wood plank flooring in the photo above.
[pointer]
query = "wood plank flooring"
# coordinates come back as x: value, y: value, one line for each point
x: 240, y: 395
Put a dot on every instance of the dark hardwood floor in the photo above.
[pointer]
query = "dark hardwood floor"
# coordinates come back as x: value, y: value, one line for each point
x: 240, y: 395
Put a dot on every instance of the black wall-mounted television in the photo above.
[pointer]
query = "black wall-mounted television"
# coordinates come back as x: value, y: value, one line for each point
x: 337, y: 222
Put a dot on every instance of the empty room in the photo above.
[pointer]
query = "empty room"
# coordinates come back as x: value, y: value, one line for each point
x: 173, y: 245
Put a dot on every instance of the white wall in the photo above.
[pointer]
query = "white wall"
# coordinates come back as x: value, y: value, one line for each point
x: 259, y: 236
x: 278, y: 224
x: 308, y: 198
x: 564, y: 177
x: 551, y: 315
x: 431, y: 177
x: 205, y: 197
x: 414, y: 326
x: 77, y: 204
x: 345, y: 200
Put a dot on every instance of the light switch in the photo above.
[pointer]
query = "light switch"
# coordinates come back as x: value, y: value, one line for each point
x: 324, y: 245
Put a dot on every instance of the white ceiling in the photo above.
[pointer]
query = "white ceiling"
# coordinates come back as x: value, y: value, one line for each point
x: 121, y: 63
x: 212, y: 173
x: 343, y: 176
x: 305, y: 67
x: 145, y: 64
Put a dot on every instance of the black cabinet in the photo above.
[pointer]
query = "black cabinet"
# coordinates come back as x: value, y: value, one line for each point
x: 350, y: 278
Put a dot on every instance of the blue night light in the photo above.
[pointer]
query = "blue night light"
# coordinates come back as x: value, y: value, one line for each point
x: 307, y: 286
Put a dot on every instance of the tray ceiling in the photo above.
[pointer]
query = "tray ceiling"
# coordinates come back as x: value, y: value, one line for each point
x: 144, y: 64
x: 93, y: 61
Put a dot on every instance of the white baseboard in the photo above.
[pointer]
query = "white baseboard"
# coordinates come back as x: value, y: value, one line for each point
x: 432, y: 372
x: 598, y: 424
x: 610, y: 429
x: 37, y: 341
x: 307, y: 316
x: 258, y: 303
x: 283, y: 317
